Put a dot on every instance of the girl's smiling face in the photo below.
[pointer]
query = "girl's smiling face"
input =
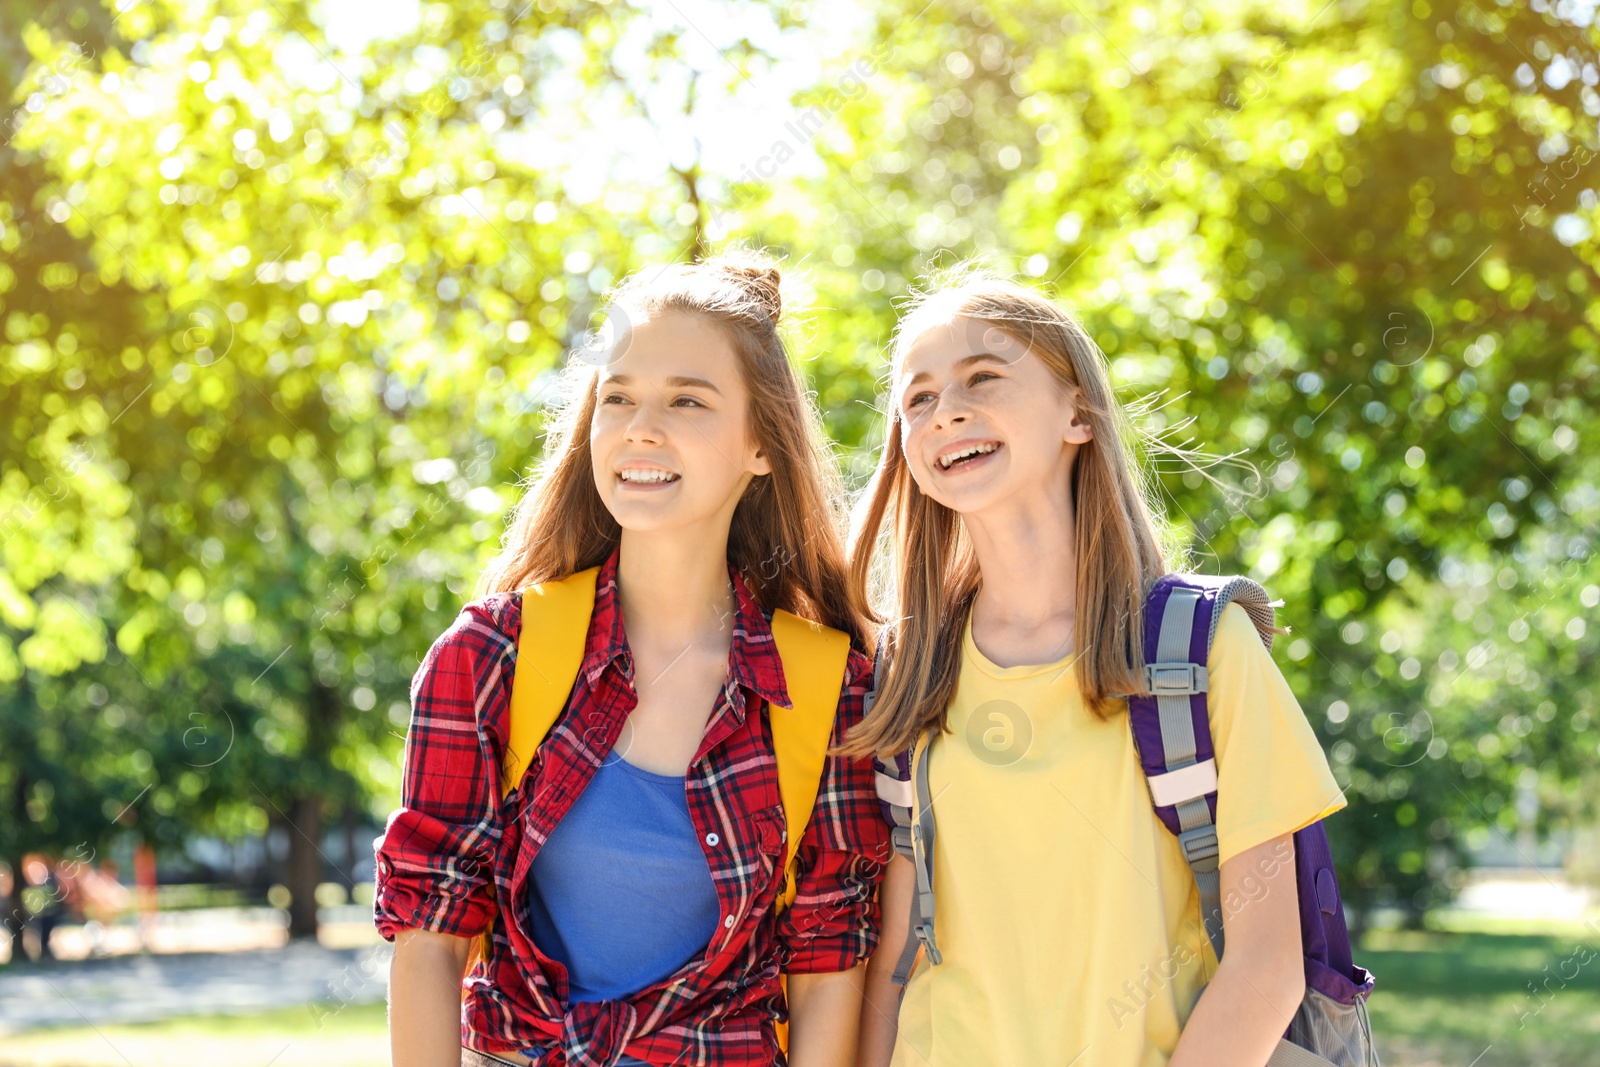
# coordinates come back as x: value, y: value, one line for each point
x: 982, y: 417
x: 670, y: 440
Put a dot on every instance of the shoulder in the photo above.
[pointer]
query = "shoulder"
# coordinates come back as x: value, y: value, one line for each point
x: 463, y: 682
x: 495, y: 618
x: 1248, y: 689
x: 484, y: 630
x: 1237, y: 638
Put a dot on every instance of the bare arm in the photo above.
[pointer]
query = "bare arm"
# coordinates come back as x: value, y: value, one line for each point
x: 880, y: 1013
x: 824, y: 1013
x: 1259, y: 984
x: 425, y: 998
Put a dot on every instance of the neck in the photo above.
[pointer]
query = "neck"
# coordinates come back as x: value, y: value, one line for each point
x: 1027, y: 556
x: 673, y: 589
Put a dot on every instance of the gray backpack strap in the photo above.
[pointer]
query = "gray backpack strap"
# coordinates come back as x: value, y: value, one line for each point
x: 1174, y: 679
x: 922, y: 903
x: 910, y: 809
x: 890, y: 790
x: 897, y: 796
x: 908, y: 951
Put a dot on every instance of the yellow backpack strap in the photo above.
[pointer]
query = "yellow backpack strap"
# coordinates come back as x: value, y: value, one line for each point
x: 555, y: 626
x: 814, y: 660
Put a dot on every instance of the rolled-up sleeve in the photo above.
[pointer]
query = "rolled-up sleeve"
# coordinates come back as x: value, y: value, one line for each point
x: 833, y: 923
x: 435, y: 858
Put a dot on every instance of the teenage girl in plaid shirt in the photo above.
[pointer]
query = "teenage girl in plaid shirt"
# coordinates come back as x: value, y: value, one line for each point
x: 628, y: 883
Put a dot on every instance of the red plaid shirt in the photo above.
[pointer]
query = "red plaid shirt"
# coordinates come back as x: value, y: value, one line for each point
x: 453, y: 839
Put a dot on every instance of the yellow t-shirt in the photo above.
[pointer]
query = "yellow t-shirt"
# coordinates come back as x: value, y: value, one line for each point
x: 1068, y: 922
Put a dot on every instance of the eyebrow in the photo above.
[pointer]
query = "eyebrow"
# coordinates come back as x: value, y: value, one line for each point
x: 964, y: 361
x: 677, y: 381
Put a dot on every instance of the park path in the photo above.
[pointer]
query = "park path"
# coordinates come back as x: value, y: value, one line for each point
x: 147, y: 988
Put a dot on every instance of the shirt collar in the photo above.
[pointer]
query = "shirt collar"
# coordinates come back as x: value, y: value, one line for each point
x: 753, y: 658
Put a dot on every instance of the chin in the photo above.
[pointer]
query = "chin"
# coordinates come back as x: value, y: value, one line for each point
x: 973, y: 500
x: 641, y: 520
x: 966, y: 497
x: 642, y: 517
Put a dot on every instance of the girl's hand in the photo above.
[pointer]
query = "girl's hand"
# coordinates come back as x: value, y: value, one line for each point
x: 1261, y: 980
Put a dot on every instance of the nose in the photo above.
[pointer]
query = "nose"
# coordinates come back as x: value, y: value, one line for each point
x: 950, y: 407
x: 644, y: 425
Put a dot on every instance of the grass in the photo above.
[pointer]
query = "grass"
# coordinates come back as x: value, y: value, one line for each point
x: 330, y: 1036
x: 1459, y: 997
x: 1445, y: 998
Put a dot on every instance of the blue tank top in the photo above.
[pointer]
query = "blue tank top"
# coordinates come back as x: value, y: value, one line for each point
x: 621, y: 893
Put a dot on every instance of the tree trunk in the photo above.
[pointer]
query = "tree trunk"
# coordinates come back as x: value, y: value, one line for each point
x: 352, y: 855
x: 15, y: 917
x: 322, y: 712
x: 305, y: 865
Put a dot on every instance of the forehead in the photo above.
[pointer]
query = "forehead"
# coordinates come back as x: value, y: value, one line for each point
x: 664, y: 343
x: 942, y: 342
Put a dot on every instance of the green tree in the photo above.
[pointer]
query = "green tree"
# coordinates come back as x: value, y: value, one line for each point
x: 261, y: 311
x: 279, y: 320
x: 1352, y: 247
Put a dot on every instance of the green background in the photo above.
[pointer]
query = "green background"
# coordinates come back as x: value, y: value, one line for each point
x: 280, y: 315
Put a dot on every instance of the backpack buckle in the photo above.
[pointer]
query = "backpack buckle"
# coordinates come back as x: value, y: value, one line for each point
x: 1200, y: 847
x: 924, y: 932
x: 1176, y: 678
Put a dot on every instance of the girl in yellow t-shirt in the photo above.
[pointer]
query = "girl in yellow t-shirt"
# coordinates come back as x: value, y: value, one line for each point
x: 1023, y: 541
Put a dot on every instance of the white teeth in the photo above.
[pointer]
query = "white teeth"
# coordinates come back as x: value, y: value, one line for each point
x: 637, y: 474
x: 975, y: 450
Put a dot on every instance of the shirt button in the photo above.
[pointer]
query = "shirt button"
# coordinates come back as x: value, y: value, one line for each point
x: 727, y: 923
x: 712, y: 839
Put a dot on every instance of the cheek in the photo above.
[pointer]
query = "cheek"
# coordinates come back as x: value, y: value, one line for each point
x: 911, y: 438
x: 711, y: 449
x: 911, y: 445
x: 913, y: 431
x: 599, y: 464
x: 603, y: 438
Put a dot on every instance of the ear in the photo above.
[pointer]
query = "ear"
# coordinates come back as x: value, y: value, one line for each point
x: 759, y: 464
x: 1078, y: 430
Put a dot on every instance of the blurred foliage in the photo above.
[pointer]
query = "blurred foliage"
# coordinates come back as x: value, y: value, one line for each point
x: 280, y: 320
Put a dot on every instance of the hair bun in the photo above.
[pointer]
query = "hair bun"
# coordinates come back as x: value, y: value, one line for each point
x: 757, y: 275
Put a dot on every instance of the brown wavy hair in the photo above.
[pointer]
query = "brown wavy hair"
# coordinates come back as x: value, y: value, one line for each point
x: 931, y: 575
x: 786, y: 537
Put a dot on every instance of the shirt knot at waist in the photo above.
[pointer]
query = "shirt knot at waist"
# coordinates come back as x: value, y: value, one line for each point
x: 594, y: 1033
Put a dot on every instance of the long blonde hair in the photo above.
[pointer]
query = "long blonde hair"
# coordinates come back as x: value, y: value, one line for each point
x: 785, y: 539
x: 932, y: 574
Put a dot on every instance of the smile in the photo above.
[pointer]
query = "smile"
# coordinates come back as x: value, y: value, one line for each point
x: 646, y: 476
x: 967, y: 454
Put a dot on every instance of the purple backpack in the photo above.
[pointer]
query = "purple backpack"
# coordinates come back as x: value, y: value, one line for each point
x: 1172, y: 732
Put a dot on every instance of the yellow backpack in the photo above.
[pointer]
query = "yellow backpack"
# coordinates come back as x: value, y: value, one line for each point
x: 555, y: 625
